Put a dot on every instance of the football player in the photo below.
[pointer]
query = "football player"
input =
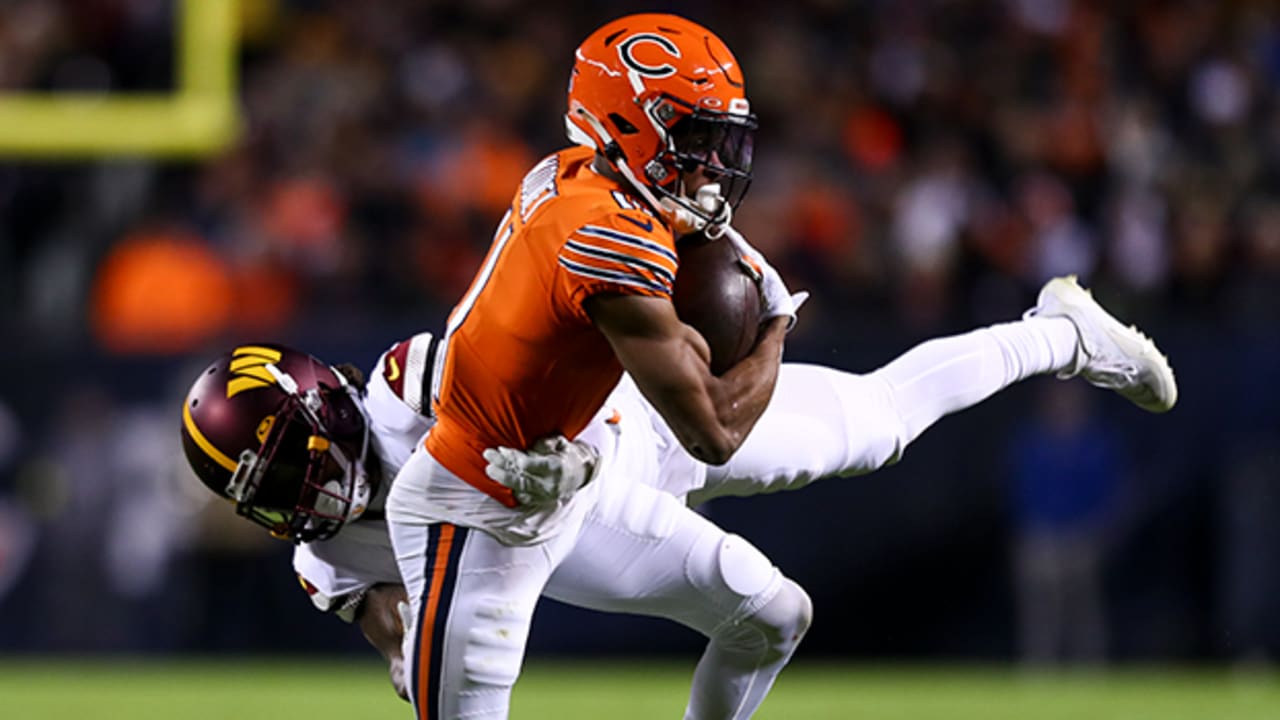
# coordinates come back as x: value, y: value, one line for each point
x: 291, y: 442
x: 576, y: 287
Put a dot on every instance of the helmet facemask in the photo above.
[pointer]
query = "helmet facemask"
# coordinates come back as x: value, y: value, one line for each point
x: 308, y: 477
x: 720, y: 146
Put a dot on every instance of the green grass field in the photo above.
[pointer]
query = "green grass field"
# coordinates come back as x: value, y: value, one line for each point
x: 247, y: 690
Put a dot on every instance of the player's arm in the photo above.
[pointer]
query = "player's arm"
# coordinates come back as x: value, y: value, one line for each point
x: 380, y: 620
x: 670, y: 363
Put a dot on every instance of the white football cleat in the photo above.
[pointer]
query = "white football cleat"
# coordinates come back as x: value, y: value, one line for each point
x: 1109, y: 354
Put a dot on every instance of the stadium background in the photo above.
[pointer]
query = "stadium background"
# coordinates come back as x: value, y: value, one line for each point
x: 922, y: 167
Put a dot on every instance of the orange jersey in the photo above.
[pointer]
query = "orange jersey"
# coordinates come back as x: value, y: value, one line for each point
x: 523, y: 359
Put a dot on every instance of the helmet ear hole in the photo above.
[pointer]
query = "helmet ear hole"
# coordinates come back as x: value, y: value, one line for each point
x: 623, y: 125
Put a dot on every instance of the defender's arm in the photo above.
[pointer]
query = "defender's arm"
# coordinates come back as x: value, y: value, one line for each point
x: 380, y: 620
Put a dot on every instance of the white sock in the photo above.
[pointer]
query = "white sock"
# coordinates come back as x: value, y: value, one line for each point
x: 941, y: 376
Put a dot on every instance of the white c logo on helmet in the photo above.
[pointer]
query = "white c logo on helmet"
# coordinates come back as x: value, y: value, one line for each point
x: 654, y: 71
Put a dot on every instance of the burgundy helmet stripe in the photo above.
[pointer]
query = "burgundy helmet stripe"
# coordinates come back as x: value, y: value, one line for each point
x: 203, y: 443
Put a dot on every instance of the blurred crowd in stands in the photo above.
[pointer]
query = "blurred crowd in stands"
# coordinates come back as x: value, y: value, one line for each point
x: 922, y: 167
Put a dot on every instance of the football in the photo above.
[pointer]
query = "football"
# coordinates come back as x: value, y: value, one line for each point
x: 715, y: 294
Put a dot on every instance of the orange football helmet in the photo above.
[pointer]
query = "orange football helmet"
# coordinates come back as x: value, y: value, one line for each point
x: 660, y: 96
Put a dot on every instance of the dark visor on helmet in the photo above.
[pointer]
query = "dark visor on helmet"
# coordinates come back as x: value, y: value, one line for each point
x: 718, y: 144
x: 719, y: 141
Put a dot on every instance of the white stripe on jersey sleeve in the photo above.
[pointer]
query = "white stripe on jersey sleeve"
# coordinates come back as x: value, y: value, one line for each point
x: 661, y: 271
x: 634, y: 280
x: 595, y: 231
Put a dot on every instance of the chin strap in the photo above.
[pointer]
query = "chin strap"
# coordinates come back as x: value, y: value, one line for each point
x: 685, y: 221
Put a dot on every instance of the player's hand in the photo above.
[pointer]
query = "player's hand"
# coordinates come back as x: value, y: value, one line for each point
x: 777, y: 299
x: 549, y: 472
x: 405, y: 617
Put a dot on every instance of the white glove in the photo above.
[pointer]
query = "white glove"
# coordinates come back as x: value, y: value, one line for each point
x: 406, y: 616
x: 549, y: 472
x: 776, y: 299
x: 396, y: 665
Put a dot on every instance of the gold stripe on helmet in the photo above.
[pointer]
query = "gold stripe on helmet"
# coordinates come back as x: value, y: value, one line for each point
x: 271, y: 354
x: 249, y: 368
x: 249, y: 379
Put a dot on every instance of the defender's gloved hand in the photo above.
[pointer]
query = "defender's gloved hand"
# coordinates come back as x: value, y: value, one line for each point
x: 776, y: 299
x: 406, y: 616
x: 396, y: 662
x: 549, y: 472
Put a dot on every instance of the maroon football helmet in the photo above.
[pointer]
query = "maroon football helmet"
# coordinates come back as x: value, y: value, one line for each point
x: 283, y: 436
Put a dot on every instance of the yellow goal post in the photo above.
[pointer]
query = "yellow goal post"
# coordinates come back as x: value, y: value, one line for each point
x: 199, y: 118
